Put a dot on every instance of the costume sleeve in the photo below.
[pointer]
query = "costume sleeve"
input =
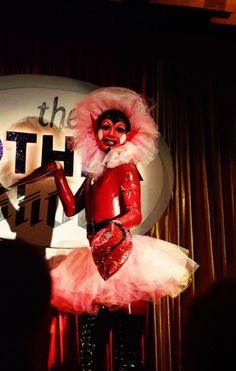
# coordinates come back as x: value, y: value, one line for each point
x: 130, y: 190
x: 72, y: 204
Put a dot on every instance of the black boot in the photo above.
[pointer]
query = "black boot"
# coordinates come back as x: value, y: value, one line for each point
x: 94, y: 335
x: 127, y: 341
x: 88, y: 343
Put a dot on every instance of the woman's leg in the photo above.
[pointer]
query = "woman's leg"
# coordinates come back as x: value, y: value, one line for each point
x: 127, y: 335
x: 93, y: 338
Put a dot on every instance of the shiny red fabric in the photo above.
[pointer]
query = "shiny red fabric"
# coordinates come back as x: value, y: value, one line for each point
x: 111, y: 248
x: 114, y: 195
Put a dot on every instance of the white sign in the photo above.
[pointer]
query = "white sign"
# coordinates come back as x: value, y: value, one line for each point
x: 34, y: 110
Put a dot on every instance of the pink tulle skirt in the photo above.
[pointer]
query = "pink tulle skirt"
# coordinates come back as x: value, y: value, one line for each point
x: 155, y: 268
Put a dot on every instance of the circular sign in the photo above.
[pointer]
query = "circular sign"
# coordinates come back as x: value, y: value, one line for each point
x: 34, y: 110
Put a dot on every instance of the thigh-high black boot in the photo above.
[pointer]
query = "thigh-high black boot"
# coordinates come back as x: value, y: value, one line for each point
x: 93, y: 337
x: 127, y: 341
x: 88, y: 343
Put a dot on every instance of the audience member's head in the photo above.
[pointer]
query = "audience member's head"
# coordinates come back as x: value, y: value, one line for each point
x: 25, y: 287
x: 209, y: 338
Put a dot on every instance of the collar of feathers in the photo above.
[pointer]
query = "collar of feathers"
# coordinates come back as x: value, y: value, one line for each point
x: 140, y: 149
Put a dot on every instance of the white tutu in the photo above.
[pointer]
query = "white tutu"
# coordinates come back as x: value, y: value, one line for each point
x: 155, y: 268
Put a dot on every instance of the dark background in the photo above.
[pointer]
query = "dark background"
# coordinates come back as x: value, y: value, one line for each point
x: 186, y: 64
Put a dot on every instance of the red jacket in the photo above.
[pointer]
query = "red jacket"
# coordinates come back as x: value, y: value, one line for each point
x: 115, y: 195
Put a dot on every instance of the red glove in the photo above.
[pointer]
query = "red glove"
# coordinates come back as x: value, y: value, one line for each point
x: 111, y: 247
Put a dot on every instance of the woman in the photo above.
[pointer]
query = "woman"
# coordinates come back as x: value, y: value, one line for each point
x: 118, y: 272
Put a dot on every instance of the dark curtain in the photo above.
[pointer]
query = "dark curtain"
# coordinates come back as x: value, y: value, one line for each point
x: 192, y: 78
x: 197, y: 113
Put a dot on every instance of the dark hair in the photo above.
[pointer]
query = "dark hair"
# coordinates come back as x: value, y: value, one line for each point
x: 115, y: 116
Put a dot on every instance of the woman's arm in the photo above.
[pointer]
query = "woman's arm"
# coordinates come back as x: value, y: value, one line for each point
x: 72, y: 204
x: 130, y: 191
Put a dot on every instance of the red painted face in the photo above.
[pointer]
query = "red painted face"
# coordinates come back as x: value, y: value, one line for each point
x: 111, y: 135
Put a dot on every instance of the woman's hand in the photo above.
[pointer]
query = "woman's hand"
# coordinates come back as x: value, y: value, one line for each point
x: 110, y: 248
x: 53, y: 168
x: 58, y: 164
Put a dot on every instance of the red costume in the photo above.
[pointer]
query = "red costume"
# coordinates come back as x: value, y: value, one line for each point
x: 118, y: 190
x: 114, y: 132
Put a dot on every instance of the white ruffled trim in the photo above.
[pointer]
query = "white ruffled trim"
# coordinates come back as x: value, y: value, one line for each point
x: 141, y: 149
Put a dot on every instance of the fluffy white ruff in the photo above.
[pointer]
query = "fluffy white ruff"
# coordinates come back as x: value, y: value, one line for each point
x: 140, y: 149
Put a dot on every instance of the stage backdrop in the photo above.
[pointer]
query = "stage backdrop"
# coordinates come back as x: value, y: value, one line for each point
x: 33, y: 120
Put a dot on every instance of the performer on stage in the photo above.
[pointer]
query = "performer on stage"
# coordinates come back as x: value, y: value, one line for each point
x: 116, y: 272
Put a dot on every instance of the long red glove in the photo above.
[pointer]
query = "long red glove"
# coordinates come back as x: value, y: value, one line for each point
x: 72, y: 204
x: 111, y: 247
x: 130, y: 189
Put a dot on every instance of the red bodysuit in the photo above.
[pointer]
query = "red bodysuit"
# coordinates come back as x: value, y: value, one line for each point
x: 115, y: 195
x: 85, y: 280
